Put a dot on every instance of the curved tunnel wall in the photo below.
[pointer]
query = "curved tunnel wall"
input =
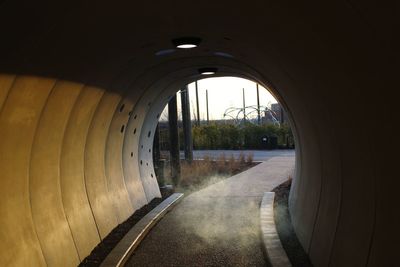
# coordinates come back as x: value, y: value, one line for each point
x: 77, y: 162
x: 79, y: 97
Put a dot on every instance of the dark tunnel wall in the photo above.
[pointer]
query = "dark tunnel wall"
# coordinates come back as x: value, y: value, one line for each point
x: 81, y: 88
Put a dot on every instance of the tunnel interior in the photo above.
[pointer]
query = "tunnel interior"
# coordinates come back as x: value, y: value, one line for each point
x: 82, y: 84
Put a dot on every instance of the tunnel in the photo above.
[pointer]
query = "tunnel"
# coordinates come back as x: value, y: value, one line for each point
x: 82, y: 84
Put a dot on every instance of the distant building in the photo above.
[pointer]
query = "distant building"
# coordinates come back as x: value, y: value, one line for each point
x: 275, y: 114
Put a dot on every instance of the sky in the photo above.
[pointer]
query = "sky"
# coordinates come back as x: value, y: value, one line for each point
x: 223, y: 93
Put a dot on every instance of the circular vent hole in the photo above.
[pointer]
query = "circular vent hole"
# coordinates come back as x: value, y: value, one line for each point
x: 141, y: 162
x: 149, y: 134
x: 131, y: 154
x: 134, y: 131
x: 151, y: 175
x: 122, y: 108
x: 122, y: 128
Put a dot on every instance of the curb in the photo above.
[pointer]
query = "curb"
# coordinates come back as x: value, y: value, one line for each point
x: 272, y: 244
x: 124, y: 249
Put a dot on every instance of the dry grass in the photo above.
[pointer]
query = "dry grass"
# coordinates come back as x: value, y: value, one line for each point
x: 201, y: 173
x: 250, y: 158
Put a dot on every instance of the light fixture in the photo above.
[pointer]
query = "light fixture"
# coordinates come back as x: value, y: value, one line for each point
x: 207, y: 71
x: 186, y: 42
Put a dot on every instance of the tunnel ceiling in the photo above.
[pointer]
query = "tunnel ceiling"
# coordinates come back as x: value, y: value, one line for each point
x: 97, y: 42
x: 81, y: 87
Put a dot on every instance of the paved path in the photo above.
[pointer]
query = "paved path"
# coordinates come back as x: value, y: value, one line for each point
x: 216, y: 226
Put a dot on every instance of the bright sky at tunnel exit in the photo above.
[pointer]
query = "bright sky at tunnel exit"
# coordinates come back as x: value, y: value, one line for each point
x: 223, y: 93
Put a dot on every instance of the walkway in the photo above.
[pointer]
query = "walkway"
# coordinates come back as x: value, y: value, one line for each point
x: 217, y: 226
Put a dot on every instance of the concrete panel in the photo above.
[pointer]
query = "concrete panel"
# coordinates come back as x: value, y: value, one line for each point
x: 6, y: 81
x: 143, y: 143
x: 48, y: 214
x: 304, y: 206
x: 113, y: 164
x: 73, y: 189
x: 141, y: 186
x: 19, y: 244
x: 357, y: 209
x: 100, y: 196
x: 130, y: 156
x: 384, y: 245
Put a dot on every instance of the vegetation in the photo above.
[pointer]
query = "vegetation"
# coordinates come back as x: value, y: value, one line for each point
x: 201, y: 173
x: 235, y: 137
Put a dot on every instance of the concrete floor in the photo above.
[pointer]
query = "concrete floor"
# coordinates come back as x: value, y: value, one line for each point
x: 217, y: 226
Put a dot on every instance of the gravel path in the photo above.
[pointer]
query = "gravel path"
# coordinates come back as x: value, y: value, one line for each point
x: 216, y: 226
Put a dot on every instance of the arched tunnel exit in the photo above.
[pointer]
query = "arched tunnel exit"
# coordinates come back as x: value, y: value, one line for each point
x: 82, y: 84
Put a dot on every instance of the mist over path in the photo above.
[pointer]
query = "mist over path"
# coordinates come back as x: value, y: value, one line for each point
x: 216, y: 226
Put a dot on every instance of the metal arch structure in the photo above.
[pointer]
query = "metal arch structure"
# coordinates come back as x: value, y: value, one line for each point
x: 240, y: 115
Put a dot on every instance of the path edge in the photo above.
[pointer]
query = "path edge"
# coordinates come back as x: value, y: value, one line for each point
x: 272, y: 245
x: 125, y: 247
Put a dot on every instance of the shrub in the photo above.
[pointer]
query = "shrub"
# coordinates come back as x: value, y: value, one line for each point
x: 247, y: 136
x: 250, y: 157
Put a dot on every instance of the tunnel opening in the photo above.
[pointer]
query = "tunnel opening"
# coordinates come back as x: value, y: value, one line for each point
x: 237, y: 119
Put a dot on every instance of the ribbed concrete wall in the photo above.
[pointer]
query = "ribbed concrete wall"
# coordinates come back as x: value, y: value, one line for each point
x: 81, y: 87
x: 61, y: 192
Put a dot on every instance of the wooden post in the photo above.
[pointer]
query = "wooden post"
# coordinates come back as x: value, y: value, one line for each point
x: 208, y: 119
x: 156, y: 146
x: 244, y: 107
x: 258, y: 106
x: 187, y: 124
x: 174, y: 141
x: 197, y: 105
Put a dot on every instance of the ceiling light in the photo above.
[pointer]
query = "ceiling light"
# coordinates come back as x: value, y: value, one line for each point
x: 207, y: 71
x: 186, y: 42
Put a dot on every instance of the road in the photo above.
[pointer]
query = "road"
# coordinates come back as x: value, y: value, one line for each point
x: 258, y: 155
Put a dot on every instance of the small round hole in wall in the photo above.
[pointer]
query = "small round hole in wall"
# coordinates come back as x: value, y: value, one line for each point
x: 134, y: 131
x: 122, y: 108
x: 151, y: 175
x: 149, y: 134
x: 135, y: 117
x: 122, y: 128
x: 149, y: 150
x: 141, y: 146
x: 147, y: 164
x: 141, y: 162
x: 131, y: 154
